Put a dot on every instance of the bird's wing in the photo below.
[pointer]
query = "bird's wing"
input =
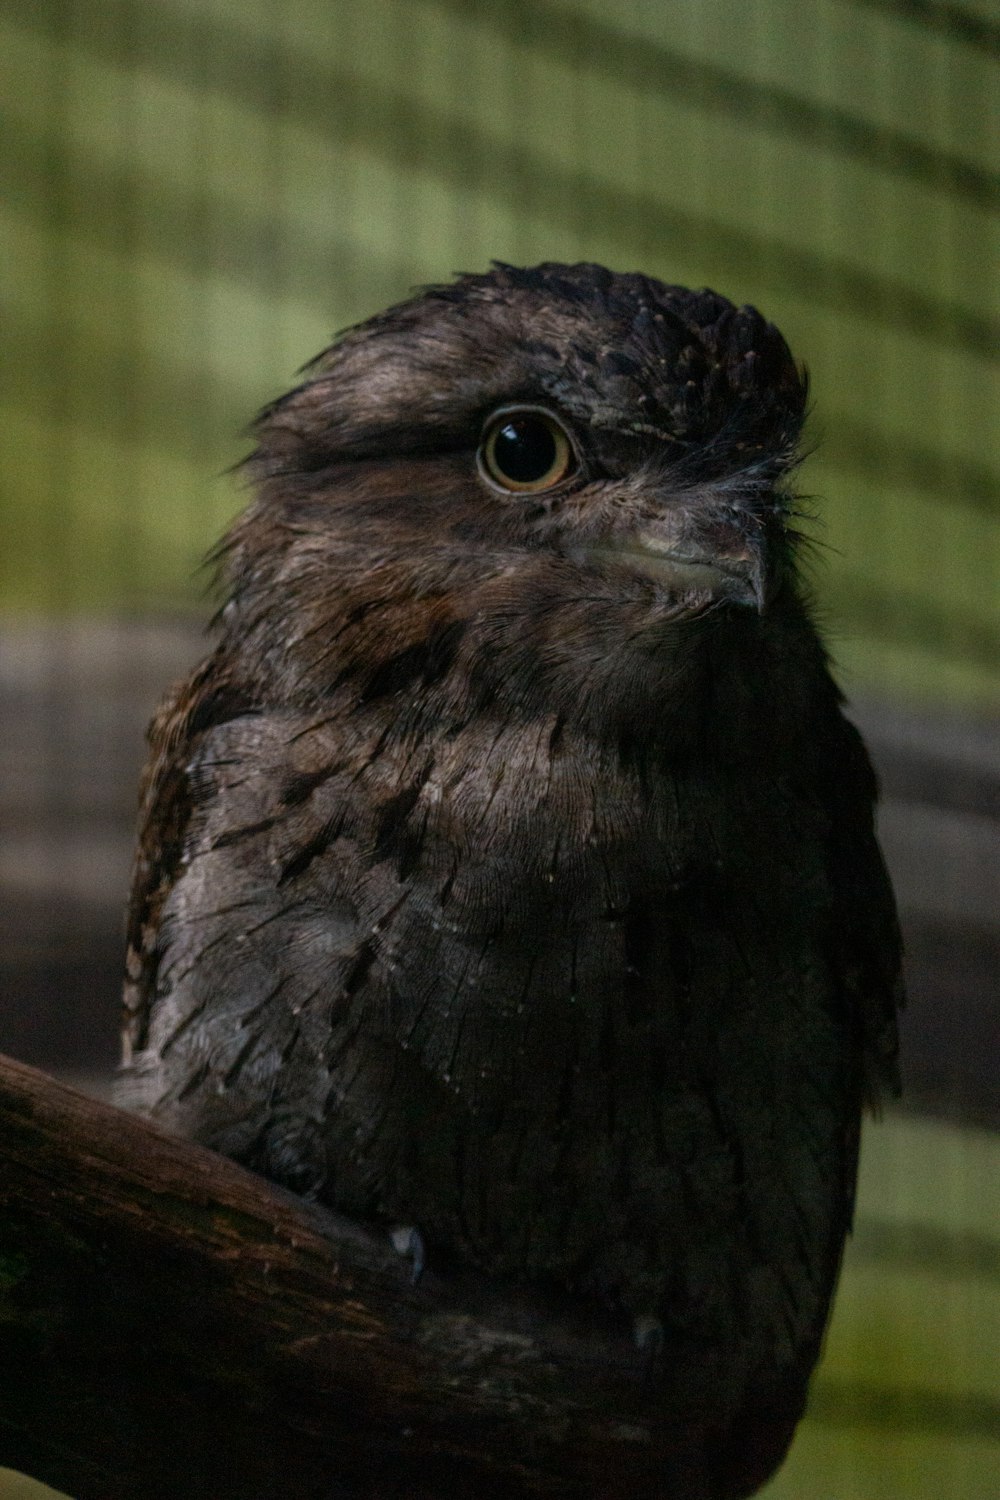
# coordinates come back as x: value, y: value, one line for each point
x: 192, y: 706
x: 870, y: 947
x: 867, y: 963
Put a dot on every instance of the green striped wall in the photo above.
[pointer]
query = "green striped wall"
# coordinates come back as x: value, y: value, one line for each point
x: 200, y: 191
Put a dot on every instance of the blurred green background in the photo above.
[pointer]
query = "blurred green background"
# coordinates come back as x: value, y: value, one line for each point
x: 199, y: 192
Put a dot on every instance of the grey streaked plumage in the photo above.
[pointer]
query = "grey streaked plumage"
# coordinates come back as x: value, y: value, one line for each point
x: 508, y: 868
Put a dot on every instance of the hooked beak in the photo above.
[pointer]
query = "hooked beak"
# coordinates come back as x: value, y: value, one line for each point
x: 729, y: 569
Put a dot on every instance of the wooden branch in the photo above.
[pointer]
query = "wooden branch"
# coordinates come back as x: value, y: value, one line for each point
x: 173, y: 1325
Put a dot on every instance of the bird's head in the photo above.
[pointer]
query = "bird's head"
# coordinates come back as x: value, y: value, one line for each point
x: 541, y: 476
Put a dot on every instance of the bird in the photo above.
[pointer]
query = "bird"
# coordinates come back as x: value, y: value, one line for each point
x: 507, y: 873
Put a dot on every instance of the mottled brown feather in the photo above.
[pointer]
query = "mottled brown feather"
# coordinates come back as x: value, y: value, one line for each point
x: 495, y: 878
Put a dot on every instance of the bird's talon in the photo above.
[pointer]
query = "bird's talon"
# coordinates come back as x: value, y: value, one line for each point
x: 407, y: 1241
x: 649, y: 1340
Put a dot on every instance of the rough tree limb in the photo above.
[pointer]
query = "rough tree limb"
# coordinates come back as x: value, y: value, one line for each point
x: 171, y: 1325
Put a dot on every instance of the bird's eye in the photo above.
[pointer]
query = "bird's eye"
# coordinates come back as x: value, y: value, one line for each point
x: 525, y: 451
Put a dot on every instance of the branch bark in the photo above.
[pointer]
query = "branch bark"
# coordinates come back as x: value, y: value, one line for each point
x: 174, y: 1325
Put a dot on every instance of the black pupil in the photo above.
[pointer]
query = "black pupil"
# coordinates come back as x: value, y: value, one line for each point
x: 524, y: 449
